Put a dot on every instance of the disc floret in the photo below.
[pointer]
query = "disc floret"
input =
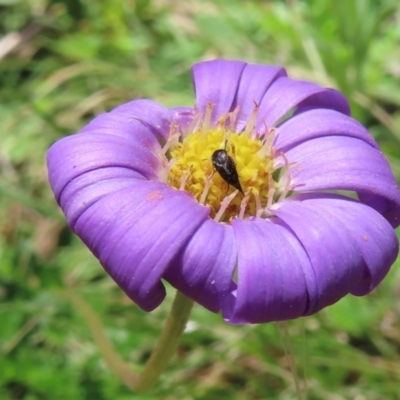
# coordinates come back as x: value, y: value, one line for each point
x: 191, y: 168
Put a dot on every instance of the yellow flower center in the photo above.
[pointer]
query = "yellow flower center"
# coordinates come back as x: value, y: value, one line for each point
x: 190, y: 168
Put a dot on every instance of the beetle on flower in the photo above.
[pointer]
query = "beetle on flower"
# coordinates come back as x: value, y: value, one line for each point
x: 314, y: 222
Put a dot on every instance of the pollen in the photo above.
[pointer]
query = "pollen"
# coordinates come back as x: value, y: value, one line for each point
x: 190, y: 168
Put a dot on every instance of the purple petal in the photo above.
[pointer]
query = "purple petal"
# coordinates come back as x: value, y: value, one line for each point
x: 329, y: 98
x: 155, y: 116
x: 351, y: 247
x: 273, y: 274
x: 334, y: 256
x: 345, y: 163
x: 254, y: 82
x: 79, y: 154
x: 119, y: 124
x: 390, y: 209
x: 206, y: 275
x: 184, y: 117
x: 84, y: 190
x: 285, y: 94
x: 375, y: 237
x: 318, y: 123
x: 136, y: 232
x: 216, y: 82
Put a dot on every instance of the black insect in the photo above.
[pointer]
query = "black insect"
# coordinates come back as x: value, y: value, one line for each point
x: 226, y: 167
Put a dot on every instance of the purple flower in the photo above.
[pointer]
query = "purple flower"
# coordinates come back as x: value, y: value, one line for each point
x: 315, y: 220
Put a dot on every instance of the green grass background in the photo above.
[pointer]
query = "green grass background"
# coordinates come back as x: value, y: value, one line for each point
x: 63, y: 62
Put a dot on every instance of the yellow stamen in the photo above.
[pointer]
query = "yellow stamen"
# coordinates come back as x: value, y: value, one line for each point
x: 286, y: 179
x: 185, y: 178
x: 233, y: 116
x: 251, y: 123
x: 193, y: 170
x: 271, y: 193
x: 206, y: 189
x: 207, y: 117
x: 266, y: 149
x: 259, y: 206
x: 224, y: 205
x: 243, y: 205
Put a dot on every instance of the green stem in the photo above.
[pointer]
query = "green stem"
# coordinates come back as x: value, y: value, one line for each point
x: 161, y: 355
x: 167, y: 343
x: 120, y: 368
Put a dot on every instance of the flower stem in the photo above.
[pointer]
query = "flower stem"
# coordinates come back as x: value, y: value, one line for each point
x: 167, y: 343
x: 121, y: 369
x: 161, y: 355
